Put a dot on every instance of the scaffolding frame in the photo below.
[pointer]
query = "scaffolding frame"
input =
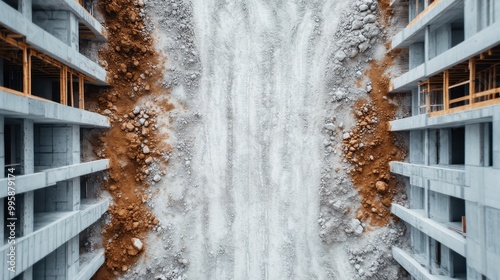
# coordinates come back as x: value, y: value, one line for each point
x: 477, y: 81
x: 16, y: 41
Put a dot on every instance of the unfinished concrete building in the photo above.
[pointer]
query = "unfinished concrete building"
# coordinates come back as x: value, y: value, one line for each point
x: 454, y: 161
x: 43, y: 76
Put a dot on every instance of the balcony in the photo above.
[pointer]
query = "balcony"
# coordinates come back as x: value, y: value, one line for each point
x: 446, y: 233
x: 51, y: 231
x: 439, y: 11
x: 412, y: 265
x: 49, y: 177
x: 13, y: 24
x: 451, y: 174
x: 469, y: 85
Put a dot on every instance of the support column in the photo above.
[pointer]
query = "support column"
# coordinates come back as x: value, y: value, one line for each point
x: 2, y: 175
x: 474, y: 145
x: 432, y: 147
x: 73, y: 32
x: 72, y: 257
x: 417, y: 146
x: 2, y: 147
x: 25, y: 7
x: 28, y: 154
x: 426, y: 182
x: 427, y: 37
x: 416, y: 55
x: 496, y: 138
x: 475, y: 211
x: 1, y: 72
x: 444, y: 146
x: 28, y: 167
x: 72, y: 246
x: 471, y: 17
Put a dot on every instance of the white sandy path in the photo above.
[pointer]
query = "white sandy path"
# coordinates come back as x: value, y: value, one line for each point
x: 249, y: 209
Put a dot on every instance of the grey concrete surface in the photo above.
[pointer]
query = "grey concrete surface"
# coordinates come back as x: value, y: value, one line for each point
x: 15, y: 106
x: 47, y: 238
x: 51, y: 176
x: 50, y: 45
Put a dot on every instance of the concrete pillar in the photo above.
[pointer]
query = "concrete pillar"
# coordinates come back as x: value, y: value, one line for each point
x: 440, y: 40
x: 416, y: 54
x: 74, y: 144
x: 53, y: 266
x: 473, y: 274
x: 415, y: 103
x: 496, y: 9
x: 417, y: 146
x: 471, y: 20
x: 2, y: 147
x: 496, y: 137
x: 73, y: 188
x: 28, y: 152
x: 1, y: 72
x: 427, y: 44
x: 412, y: 10
x: 28, y: 167
x: 474, y: 144
x: 27, y: 221
x: 25, y: 7
x: 432, y: 151
x: 62, y: 24
x: 444, y: 146
x: 72, y: 257
x: 2, y: 221
x: 73, y: 32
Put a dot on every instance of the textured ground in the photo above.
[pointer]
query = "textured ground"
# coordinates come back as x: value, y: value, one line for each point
x: 256, y: 186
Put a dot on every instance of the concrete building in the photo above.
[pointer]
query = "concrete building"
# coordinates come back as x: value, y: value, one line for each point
x: 43, y: 76
x: 454, y: 160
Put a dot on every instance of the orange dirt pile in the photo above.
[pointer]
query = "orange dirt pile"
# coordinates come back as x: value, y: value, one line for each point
x: 132, y: 142
x: 371, y: 147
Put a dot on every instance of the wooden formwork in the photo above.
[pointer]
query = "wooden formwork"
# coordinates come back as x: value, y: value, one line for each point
x: 11, y: 42
x: 477, y: 82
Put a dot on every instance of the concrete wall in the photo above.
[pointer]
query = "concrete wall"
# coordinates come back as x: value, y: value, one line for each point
x: 417, y: 197
x: 496, y: 138
x: 52, y: 266
x: 64, y: 196
x: 413, y: 10
x: 440, y: 40
x: 416, y: 54
x: 416, y: 146
x: 62, y: 24
x: 471, y: 20
x: 54, y: 22
x: 56, y: 145
x: 25, y: 8
x: 439, y: 207
x: 419, y: 242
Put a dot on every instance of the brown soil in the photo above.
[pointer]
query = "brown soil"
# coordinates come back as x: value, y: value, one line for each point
x: 372, y: 146
x: 131, y: 62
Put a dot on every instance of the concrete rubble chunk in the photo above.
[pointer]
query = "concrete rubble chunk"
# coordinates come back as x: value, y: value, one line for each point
x: 137, y: 243
x: 157, y: 178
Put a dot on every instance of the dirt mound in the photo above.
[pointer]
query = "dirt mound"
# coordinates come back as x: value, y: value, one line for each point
x: 131, y: 143
x: 369, y: 148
